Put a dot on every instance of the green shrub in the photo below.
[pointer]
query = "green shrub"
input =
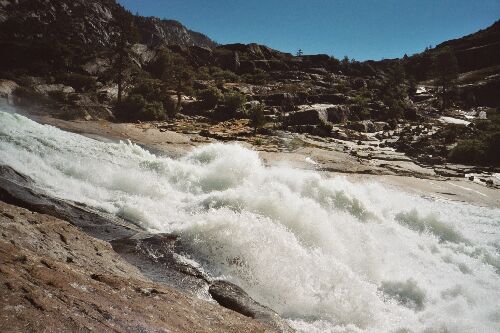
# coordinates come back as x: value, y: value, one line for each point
x: 135, y: 107
x: 450, y: 133
x: 492, y: 152
x: 478, y: 143
x: 259, y: 77
x: 203, y: 73
x: 234, y: 101
x: 28, y: 96
x: 359, y: 107
x: 170, y: 104
x: 342, y: 87
x: 152, y: 111
x: 257, y: 118
x: 129, y: 107
x: 79, y: 82
x: 326, y: 127
x: 151, y: 90
x: 58, y: 95
x: 211, y: 97
x: 469, y: 152
x: 154, y: 92
x: 222, y: 76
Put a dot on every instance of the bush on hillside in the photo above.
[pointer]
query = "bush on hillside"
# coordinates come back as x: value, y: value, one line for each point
x: 483, y: 151
x: 151, y: 90
x: 27, y: 97
x: 222, y: 76
x: 135, y: 107
x: 257, y: 118
x: 259, y: 77
x: 234, y: 101
x: 211, y: 97
x: 469, y: 152
x: 58, y: 95
x: 79, y: 82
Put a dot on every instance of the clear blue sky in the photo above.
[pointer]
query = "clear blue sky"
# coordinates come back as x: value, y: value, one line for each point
x: 360, y: 29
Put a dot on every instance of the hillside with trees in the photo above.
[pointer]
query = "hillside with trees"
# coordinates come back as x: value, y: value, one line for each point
x: 93, y: 59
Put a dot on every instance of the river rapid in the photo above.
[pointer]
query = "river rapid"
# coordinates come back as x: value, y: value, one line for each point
x: 327, y: 254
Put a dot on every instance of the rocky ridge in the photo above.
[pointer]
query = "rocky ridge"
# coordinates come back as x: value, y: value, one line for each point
x: 307, y: 94
x: 91, y: 23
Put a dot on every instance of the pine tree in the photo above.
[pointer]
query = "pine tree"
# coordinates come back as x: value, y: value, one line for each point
x: 125, y: 35
x: 394, y: 92
x: 175, y: 72
x: 446, y: 70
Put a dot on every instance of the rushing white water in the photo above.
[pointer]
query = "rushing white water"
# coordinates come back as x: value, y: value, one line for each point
x: 327, y: 254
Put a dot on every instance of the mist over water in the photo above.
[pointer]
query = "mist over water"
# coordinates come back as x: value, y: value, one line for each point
x: 327, y: 254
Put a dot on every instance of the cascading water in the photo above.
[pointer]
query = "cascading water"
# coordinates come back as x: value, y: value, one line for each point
x: 327, y: 254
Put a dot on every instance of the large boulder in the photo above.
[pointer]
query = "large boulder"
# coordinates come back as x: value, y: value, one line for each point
x: 279, y: 99
x: 160, y: 257
x: 338, y: 114
x: 47, y: 88
x: 202, y: 56
x: 233, y: 297
x: 7, y: 89
x: 97, y: 66
x: 143, y: 53
x: 20, y: 190
x: 380, y: 126
x: 365, y: 126
x: 329, y: 98
x: 307, y: 117
x: 368, y: 126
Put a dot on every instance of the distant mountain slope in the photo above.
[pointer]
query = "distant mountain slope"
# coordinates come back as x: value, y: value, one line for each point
x: 87, y: 22
x: 477, y: 50
x: 155, y: 32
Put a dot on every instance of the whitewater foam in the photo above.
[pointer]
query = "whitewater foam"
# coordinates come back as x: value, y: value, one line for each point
x: 327, y: 254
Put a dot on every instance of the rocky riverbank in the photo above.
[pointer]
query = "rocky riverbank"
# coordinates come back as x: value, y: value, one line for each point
x: 82, y: 271
x: 56, y: 278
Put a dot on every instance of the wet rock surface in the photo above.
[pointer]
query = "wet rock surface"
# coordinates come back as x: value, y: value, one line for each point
x: 233, y: 297
x: 161, y: 258
x: 20, y: 190
x: 157, y: 260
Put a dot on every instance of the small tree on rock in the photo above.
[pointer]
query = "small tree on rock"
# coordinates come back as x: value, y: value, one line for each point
x: 257, y: 118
